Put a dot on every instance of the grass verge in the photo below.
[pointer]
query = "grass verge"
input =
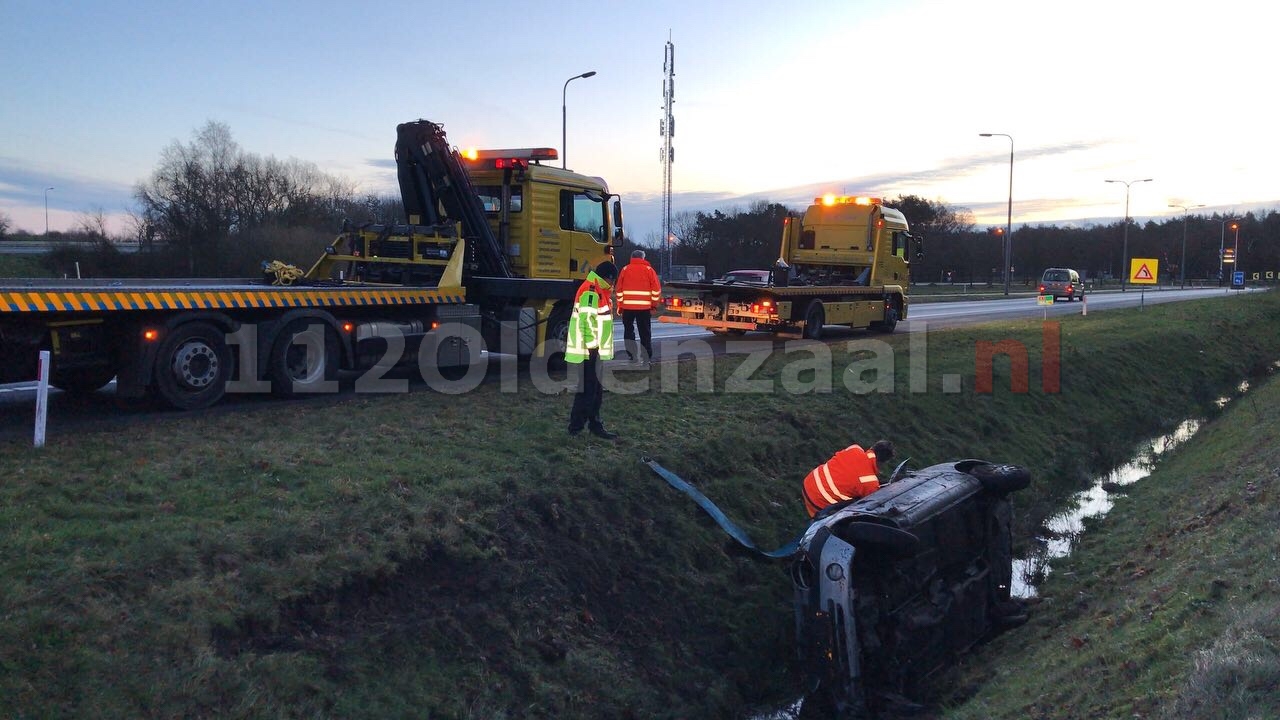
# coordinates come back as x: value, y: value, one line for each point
x: 435, y: 556
x: 1169, y: 606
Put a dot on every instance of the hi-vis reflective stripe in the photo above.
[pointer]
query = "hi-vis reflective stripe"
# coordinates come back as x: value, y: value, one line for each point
x: 641, y: 299
x: 74, y: 301
x: 827, y: 486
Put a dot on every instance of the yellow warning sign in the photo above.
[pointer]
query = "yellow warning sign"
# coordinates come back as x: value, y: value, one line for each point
x: 1143, y: 271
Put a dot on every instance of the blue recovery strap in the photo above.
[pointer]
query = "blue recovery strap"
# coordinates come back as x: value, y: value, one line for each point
x: 725, y: 523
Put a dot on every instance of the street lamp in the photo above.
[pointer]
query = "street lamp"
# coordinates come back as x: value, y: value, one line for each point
x: 46, y: 209
x: 1182, y: 266
x: 1236, y: 252
x: 1124, y: 263
x: 1008, y: 223
x: 564, y: 116
x: 1222, y: 243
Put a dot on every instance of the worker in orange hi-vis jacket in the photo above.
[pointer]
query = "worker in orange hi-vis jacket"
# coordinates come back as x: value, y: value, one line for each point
x: 639, y: 297
x: 849, y: 474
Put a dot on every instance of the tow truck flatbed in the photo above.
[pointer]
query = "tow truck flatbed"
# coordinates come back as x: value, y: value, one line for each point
x: 94, y: 296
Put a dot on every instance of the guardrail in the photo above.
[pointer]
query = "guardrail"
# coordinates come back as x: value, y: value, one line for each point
x: 37, y: 247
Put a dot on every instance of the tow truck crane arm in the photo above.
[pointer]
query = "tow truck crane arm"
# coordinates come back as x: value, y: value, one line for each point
x: 432, y: 178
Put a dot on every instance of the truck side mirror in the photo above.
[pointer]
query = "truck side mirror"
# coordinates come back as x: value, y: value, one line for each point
x: 919, y: 247
x: 617, y: 215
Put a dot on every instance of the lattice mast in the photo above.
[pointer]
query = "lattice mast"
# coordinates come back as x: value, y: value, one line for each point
x: 667, y: 128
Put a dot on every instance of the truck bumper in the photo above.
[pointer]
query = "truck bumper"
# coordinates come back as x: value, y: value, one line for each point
x: 712, y: 324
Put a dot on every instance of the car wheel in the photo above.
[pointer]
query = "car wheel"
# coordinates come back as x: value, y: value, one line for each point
x: 1001, y: 478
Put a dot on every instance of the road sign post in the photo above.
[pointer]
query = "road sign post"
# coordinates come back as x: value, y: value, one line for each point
x: 42, y: 398
x: 1143, y: 272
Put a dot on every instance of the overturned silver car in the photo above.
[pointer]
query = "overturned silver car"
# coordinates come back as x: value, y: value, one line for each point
x: 892, y: 587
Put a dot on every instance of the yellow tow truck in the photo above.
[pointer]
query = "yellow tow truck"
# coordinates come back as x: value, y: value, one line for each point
x: 845, y: 261
x: 489, y: 257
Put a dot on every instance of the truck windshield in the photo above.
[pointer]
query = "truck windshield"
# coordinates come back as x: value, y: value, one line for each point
x: 491, y: 198
x: 581, y: 213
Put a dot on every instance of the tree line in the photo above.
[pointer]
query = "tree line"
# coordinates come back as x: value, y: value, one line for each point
x: 211, y: 209
x: 957, y: 251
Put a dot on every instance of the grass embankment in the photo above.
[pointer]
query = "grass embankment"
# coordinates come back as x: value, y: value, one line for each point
x: 436, y: 556
x: 1170, y: 606
x: 23, y: 266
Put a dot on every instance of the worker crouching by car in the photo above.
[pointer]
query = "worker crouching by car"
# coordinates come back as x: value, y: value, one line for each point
x: 850, y: 474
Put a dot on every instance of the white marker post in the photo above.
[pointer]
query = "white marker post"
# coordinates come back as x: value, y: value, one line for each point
x: 42, y: 397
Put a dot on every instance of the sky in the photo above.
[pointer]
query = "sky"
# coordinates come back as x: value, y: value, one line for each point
x: 774, y: 101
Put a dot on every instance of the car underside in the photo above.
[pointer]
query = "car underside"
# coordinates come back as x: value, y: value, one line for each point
x: 894, y: 586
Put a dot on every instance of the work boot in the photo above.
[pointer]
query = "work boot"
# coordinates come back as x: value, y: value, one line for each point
x: 597, y: 428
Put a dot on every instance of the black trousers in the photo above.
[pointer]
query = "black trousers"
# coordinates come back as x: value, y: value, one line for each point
x: 590, y: 396
x: 633, y: 321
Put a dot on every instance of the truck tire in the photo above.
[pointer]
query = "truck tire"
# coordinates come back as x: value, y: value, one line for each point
x: 890, y: 322
x: 296, y: 366
x: 557, y: 336
x: 82, y: 381
x: 192, y: 366
x: 814, y: 318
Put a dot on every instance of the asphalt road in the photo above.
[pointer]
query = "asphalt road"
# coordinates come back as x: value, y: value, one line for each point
x: 68, y: 414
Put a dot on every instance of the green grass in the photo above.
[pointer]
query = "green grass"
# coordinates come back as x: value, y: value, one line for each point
x: 22, y: 266
x: 438, y: 556
x: 1170, y: 606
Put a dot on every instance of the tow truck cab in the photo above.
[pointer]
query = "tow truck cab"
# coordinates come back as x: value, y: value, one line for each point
x: 551, y: 222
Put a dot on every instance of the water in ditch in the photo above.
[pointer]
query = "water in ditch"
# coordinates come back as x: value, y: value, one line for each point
x: 1060, y: 533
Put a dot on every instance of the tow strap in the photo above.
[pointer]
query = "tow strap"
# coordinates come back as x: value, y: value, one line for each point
x: 725, y: 523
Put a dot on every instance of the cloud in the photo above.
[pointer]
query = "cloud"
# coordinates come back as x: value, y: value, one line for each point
x: 20, y: 185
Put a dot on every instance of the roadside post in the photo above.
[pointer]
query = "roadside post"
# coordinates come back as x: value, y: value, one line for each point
x: 42, y: 397
x: 1143, y: 272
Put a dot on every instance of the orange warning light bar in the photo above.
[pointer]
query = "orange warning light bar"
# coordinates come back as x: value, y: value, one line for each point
x: 830, y: 199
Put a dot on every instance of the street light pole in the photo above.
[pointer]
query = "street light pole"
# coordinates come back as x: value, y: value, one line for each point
x: 1124, y: 262
x: 1222, y: 244
x: 1182, y: 265
x: 564, y: 116
x: 1236, y: 252
x: 46, y: 209
x: 1008, y: 223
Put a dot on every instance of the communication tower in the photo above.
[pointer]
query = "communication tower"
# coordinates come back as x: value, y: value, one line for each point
x: 667, y: 128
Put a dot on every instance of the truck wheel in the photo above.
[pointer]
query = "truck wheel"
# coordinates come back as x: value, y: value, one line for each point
x: 297, y: 366
x: 82, y: 381
x: 192, y: 366
x: 557, y: 338
x: 814, y: 318
x: 890, y: 322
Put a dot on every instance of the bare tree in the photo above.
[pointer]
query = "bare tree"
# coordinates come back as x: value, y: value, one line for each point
x: 5, y: 223
x: 209, y: 202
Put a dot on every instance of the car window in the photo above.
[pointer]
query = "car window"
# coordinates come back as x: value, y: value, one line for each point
x: 1055, y: 276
